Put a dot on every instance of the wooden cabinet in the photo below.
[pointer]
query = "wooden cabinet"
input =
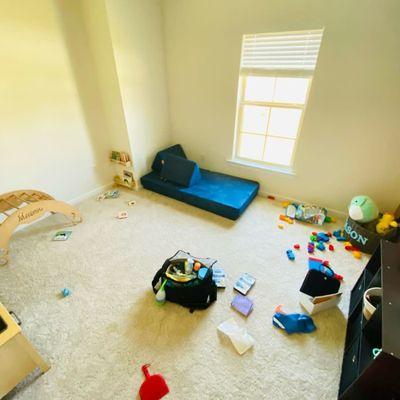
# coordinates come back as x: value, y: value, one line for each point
x: 18, y: 358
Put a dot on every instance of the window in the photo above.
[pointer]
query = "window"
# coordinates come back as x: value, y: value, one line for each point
x: 275, y: 78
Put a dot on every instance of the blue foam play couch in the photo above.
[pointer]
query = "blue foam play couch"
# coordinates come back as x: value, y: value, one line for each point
x: 175, y: 176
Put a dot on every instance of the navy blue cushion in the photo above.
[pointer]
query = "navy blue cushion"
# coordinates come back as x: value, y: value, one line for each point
x: 221, y: 194
x: 180, y: 170
x: 175, y: 150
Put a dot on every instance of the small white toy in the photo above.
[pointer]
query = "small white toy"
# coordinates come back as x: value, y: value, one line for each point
x: 122, y: 214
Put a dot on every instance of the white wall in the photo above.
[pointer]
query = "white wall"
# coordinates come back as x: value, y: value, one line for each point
x: 46, y: 140
x: 350, y: 139
x: 137, y: 39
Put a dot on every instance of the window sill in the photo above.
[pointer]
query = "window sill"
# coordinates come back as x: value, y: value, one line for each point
x: 270, y: 168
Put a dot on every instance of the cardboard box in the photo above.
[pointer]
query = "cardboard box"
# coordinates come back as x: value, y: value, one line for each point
x: 316, y: 304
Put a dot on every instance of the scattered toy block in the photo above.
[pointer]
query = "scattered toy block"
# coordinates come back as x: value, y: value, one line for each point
x: 320, y: 246
x: 296, y: 246
x: 326, y: 263
x: 65, y: 292
x: 286, y: 219
x: 270, y: 197
x: 280, y: 226
x: 313, y: 238
x: 314, y: 233
x: 290, y: 255
x: 331, y: 247
x: 341, y: 239
x: 357, y: 254
x: 284, y: 204
x: 329, y: 234
x: 322, y: 237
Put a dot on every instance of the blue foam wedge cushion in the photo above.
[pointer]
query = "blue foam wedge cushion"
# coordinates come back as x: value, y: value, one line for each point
x: 180, y: 170
x: 176, y: 150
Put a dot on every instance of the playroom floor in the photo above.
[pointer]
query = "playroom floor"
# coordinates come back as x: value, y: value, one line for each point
x: 97, y: 339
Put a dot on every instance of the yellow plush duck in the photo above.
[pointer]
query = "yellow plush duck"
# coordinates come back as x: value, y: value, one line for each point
x: 385, y: 223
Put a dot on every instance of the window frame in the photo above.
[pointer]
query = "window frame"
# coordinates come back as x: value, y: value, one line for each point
x: 243, y: 75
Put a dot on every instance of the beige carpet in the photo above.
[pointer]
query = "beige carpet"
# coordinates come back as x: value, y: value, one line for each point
x: 97, y: 339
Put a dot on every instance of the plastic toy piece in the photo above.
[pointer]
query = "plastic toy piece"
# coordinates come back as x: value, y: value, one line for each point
x: 122, y: 214
x: 296, y: 246
x: 329, y: 234
x: 154, y: 387
x: 270, y: 197
x: 310, y: 248
x: 313, y: 238
x: 286, y: 219
x: 319, y: 265
x: 320, y: 246
x: 131, y: 202
x: 325, y: 263
x: 284, y: 204
x: 280, y: 226
x: 321, y: 236
x: 23, y: 207
x: 331, y: 247
x: 65, y: 292
x: 330, y: 219
x: 292, y: 323
x: 357, y: 254
x: 341, y: 239
x: 196, y: 266
x: 290, y: 255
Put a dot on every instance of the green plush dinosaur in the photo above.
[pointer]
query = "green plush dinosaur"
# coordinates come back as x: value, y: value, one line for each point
x: 363, y: 209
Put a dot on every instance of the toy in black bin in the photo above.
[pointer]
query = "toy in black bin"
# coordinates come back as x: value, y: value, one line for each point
x: 187, y: 280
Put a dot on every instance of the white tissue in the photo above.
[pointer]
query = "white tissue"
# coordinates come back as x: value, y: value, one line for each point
x: 239, y: 337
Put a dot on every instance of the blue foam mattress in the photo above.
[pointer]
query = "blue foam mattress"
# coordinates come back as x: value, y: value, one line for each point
x: 221, y: 194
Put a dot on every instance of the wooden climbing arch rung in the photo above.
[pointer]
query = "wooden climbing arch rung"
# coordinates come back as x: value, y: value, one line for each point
x: 23, y: 207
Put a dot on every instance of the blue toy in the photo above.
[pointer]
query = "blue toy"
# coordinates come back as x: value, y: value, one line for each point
x: 290, y: 255
x: 293, y: 323
x: 65, y: 292
x: 320, y: 246
x: 317, y: 264
x: 322, y: 237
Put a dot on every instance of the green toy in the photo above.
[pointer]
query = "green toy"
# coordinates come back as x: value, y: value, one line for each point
x: 363, y: 209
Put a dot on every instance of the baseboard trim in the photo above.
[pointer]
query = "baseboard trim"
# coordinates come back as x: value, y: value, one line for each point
x: 91, y: 193
x: 332, y: 212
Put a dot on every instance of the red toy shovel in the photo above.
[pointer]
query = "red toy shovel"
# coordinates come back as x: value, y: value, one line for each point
x: 154, y: 387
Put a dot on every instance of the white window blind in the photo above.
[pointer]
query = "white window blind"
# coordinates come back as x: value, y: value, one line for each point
x: 281, y: 51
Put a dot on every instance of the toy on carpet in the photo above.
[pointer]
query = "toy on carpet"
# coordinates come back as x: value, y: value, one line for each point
x: 296, y: 246
x: 386, y: 223
x: 109, y: 194
x: 292, y: 323
x: 290, y: 255
x: 61, y: 236
x: 65, y: 292
x: 310, y: 248
x: 154, y: 387
x: 286, y: 219
x: 122, y: 215
x: 280, y: 226
x: 244, y: 283
x: 363, y: 209
x: 270, y: 197
x: 131, y: 202
x: 339, y: 235
x: 321, y: 246
x: 323, y: 266
x: 161, y: 295
x: 331, y: 247
x: 239, y: 337
x: 306, y: 213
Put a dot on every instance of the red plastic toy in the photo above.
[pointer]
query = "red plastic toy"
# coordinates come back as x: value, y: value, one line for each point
x: 296, y: 246
x: 331, y: 247
x: 154, y: 387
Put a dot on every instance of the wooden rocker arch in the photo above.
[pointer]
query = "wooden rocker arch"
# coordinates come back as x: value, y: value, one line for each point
x: 23, y: 207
